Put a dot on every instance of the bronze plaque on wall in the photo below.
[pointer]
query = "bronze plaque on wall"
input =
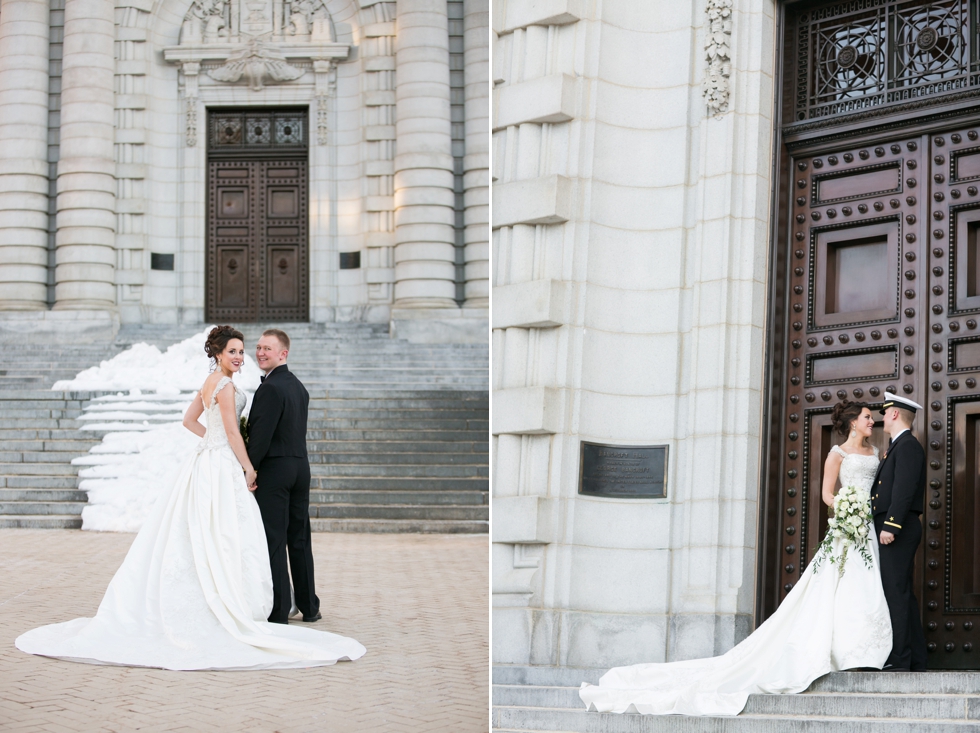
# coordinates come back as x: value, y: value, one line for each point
x: 623, y: 471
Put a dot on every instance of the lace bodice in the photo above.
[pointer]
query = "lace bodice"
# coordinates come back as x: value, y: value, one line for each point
x: 215, y: 437
x: 857, y: 470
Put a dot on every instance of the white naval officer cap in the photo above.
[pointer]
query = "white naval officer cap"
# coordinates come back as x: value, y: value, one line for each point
x: 894, y: 400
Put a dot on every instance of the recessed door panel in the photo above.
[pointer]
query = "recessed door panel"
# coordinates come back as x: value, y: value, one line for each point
x: 283, y: 202
x: 964, y: 246
x: 234, y: 283
x: 283, y: 291
x: 855, y: 272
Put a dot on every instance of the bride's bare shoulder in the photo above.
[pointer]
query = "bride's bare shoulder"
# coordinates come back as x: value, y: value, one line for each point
x: 207, y: 389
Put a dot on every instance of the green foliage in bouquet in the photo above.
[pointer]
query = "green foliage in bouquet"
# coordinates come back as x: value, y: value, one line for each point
x: 852, y: 512
x: 243, y: 428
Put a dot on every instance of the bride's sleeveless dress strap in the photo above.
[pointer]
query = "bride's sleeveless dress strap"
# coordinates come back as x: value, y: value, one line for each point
x: 840, y: 451
x: 222, y: 383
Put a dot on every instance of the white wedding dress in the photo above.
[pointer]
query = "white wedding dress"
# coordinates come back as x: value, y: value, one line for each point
x: 195, y: 589
x: 828, y: 622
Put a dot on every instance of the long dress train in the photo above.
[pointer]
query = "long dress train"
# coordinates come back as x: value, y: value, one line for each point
x: 828, y: 622
x: 195, y: 589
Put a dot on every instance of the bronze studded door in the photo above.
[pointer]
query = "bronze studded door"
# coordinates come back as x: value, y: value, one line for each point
x: 856, y: 314
x: 257, y: 231
x: 884, y: 293
x: 876, y: 285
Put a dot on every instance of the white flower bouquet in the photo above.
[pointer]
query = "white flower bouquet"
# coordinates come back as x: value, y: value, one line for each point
x: 852, y: 512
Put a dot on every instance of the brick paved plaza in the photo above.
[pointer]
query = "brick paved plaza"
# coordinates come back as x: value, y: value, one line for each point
x: 417, y: 602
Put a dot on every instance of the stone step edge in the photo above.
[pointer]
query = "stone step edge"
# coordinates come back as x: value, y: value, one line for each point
x: 808, y: 693
x: 702, y: 723
x: 973, y: 723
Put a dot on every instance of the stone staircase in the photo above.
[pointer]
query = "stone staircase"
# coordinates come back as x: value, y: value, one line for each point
x: 398, y: 432
x: 546, y: 699
x: 399, y: 461
x: 39, y: 434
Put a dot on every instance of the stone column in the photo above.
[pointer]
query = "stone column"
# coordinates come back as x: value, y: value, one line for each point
x: 425, y: 269
x: 86, y: 256
x: 24, y: 43
x: 476, y: 164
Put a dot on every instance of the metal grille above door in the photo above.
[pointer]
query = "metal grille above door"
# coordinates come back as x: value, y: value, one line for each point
x: 257, y: 232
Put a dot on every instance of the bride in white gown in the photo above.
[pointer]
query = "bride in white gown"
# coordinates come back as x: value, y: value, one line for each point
x: 829, y: 621
x: 195, y: 589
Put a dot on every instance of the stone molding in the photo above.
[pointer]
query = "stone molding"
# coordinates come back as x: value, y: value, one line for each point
x: 717, y: 52
x: 545, y: 99
x: 544, y: 200
x: 523, y: 519
x: 532, y: 304
x: 527, y: 411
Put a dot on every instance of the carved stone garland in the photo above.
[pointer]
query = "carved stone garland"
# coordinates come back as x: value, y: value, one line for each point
x: 717, y: 52
x: 254, y: 41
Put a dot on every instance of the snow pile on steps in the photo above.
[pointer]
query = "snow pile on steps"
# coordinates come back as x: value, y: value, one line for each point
x: 138, y: 459
x: 183, y: 367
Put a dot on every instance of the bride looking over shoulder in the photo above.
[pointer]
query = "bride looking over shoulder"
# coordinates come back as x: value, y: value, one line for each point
x: 228, y: 362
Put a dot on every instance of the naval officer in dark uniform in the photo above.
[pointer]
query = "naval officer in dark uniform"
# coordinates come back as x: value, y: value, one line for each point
x: 897, y: 501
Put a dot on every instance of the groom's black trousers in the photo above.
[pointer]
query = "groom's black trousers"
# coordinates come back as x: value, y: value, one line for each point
x: 897, y: 564
x: 283, y: 496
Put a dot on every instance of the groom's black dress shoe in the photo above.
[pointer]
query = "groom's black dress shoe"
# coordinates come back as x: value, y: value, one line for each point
x: 315, y: 617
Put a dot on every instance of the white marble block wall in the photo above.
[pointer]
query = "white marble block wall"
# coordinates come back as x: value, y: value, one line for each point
x: 86, y: 220
x: 24, y: 46
x: 425, y: 254
x: 629, y: 263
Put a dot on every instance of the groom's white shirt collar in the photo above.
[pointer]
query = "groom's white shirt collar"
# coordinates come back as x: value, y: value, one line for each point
x: 897, y: 436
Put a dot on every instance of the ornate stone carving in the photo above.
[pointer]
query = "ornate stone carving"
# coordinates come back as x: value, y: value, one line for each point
x: 325, y: 71
x: 234, y: 21
x: 256, y: 62
x: 717, y: 51
x: 191, y: 70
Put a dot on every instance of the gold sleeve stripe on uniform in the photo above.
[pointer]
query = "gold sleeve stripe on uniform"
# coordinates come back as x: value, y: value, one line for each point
x: 892, y: 524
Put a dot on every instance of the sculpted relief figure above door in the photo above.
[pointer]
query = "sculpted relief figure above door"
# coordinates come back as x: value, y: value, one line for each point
x: 876, y: 282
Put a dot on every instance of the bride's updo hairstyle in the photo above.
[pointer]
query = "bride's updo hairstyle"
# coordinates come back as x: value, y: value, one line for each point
x: 844, y: 414
x: 218, y: 339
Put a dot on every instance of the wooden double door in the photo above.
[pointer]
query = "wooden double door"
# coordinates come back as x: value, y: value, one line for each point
x: 880, y: 289
x: 257, y: 235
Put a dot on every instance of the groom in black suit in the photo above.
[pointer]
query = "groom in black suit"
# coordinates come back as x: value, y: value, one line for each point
x: 277, y: 449
x: 897, y: 501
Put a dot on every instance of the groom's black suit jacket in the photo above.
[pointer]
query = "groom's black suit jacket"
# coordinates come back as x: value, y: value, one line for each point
x: 900, y: 483
x: 277, y: 418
